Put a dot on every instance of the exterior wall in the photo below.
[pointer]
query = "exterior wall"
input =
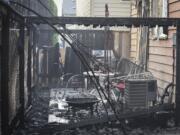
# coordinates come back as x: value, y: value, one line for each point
x: 68, y: 8
x: 83, y: 8
x: 134, y: 49
x: 117, y: 8
x: 96, y: 8
x: 161, y: 52
x: 122, y: 44
x: 160, y: 55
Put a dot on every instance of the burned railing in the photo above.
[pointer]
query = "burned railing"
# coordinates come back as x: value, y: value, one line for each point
x: 128, y: 22
x: 8, y: 15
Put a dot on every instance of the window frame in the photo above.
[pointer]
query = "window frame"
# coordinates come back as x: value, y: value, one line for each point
x: 160, y: 33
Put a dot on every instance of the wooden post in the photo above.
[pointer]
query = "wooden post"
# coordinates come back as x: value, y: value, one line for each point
x: 5, y: 75
x: 29, y: 66
x: 21, y: 73
x: 34, y: 59
x: 177, y: 112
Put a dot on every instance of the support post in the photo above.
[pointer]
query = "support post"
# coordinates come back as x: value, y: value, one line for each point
x: 5, y: 75
x: 21, y: 73
x: 34, y: 60
x: 177, y: 111
x: 29, y: 66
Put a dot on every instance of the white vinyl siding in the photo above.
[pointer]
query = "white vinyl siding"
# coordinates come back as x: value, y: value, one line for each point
x: 117, y: 8
x: 83, y: 8
x: 96, y: 8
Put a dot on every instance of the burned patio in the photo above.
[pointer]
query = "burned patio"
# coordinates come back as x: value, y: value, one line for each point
x: 83, y: 88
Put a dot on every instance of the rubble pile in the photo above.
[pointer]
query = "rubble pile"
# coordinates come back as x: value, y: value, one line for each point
x: 37, y: 121
x: 37, y: 114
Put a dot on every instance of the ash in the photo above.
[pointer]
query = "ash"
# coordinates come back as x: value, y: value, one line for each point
x: 47, y: 115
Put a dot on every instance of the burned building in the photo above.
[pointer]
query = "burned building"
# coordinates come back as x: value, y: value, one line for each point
x: 104, y: 98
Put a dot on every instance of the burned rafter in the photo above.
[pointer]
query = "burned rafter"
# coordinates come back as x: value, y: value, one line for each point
x: 111, y: 21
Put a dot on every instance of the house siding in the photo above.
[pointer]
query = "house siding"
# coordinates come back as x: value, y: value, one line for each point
x: 134, y: 36
x: 161, y: 52
x: 160, y: 55
x: 96, y: 8
x: 83, y: 8
x: 117, y: 8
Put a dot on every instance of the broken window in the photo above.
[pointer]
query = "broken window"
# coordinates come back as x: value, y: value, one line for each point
x: 159, y: 8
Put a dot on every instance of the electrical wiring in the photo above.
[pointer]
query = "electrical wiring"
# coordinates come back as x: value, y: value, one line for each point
x: 99, y: 87
x: 90, y: 56
x: 82, y: 59
x: 87, y: 54
x: 76, y: 40
x: 74, y: 49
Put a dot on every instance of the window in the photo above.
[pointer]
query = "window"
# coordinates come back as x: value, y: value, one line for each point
x: 159, y: 8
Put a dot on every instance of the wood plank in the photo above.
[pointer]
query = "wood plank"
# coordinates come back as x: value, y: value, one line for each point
x: 163, y: 76
x: 133, y: 48
x: 162, y: 84
x: 133, y: 54
x: 174, y: 15
x: 161, y: 51
x: 134, y: 15
x: 133, y: 30
x: 102, y: 2
x: 134, y: 41
x: 134, y: 36
x: 133, y: 45
x: 161, y: 59
x: 161, y: 67
x: 161, y: 43
x: 174, y: 7
x: 172, y: 1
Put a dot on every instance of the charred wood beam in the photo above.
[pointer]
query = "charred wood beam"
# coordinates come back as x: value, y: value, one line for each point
x: 102, y: 21
x: 21, y: 73
x: 78, y: 31
x: 35, y: 57
x: 95, y: 21
x: 29, y: 66
x: 5, y: 75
